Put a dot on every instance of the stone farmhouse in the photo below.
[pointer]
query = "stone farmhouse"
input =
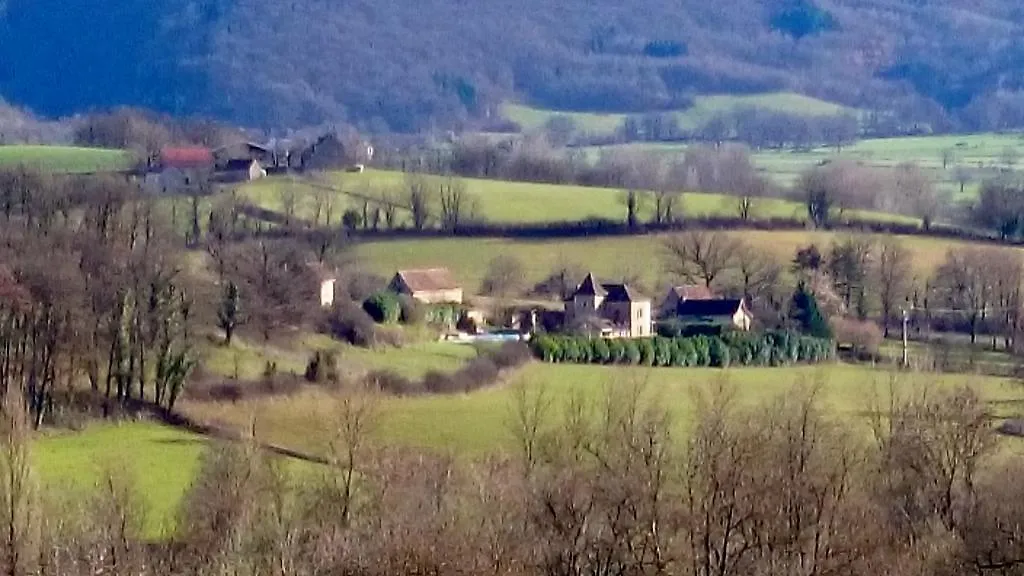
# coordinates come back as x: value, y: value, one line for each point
x: 430, y: 286
x: 609, y: 310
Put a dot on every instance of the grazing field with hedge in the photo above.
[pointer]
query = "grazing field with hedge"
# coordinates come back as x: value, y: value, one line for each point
x: 767, y: 349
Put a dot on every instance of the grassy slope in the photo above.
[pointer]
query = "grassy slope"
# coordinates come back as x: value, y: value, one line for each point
x: 703, y: 109
x: 162, y: 461
x: 478, y: 423
x: 982, y: 155
x: 250, y: 357
x: 610, y: 257
x: 66, y: 159
x: 521, y: 202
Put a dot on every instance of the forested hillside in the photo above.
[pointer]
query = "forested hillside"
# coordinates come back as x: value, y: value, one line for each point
x: 405, y: 65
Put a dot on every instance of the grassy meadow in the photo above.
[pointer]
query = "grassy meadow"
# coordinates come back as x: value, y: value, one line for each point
x: 704, y: 108
x: 65, y: 159
x: 978, y: 156
x: 610, y: 257
x: 162, y: 462
x: 502, y: 201
x: 478, y: 423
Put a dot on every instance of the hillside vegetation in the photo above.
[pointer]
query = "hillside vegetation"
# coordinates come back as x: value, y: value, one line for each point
x: 704, y: 108
x: 395, y: 65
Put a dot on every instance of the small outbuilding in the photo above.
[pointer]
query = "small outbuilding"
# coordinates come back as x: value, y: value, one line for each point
x: 428, y: 285
x: 722, y: 312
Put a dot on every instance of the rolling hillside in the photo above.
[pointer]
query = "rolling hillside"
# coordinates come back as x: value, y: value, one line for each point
x: 395, y: 65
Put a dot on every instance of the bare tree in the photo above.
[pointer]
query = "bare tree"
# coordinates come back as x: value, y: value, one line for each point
x: 759, y: 272
x: 633, y: 202
x: 962, y: 175
x: 699, y: 255
x: 419, y: 200
x: 745, y: 206
x: 918, y: 193
x: 962, y: 286
x: 948, y: 157
x: 456, y: 203
x: 288, y: 199
x: 893, y: 276
x: 931, y: 447
x: 18, y: 497
x: 389, y: 199
x: 505, y: 276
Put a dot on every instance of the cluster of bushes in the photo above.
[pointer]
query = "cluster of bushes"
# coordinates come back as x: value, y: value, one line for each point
x: 387, y: 307
x: 480, y: 372
x: 349, y: 322
x: 767, y: 349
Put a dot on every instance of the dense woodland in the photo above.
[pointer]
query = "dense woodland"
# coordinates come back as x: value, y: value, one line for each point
x: 410, y: 66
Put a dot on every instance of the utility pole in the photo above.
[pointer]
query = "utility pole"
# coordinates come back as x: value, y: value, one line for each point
x: 906, y: 318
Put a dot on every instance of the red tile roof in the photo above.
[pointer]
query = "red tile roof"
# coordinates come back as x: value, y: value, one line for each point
x: 693, y: 292
x: 186, y: 157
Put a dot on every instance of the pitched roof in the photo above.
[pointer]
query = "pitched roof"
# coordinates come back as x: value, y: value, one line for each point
x: 186, y: 157
x: 621, y: 293
x: 610, y: 292
x: 590, y: 287
x: 710, y: 307
x: 428, y: 279
x: 693, y: 292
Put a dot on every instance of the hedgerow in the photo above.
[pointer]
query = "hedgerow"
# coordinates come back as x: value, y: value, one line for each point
x: 734, y: 349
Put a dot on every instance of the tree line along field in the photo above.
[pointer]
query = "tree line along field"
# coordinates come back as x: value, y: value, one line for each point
x: 704, y: 108
x: 972, y: 157
x: 65, y: 159
x: 609, y: 257
x: 519, y: 202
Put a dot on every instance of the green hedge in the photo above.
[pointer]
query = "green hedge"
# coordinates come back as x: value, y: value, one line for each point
x: 734, y: 349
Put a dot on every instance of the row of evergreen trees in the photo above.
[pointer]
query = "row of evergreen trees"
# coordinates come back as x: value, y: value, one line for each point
x: 778, y: 348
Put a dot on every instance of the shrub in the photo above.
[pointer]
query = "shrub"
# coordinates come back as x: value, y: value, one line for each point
x: 718, y: 353
x: 322, y: 367
x: 511, y: 355
x: 384, y: 307
x: 631, y: 353
x: 616, y: 352
x: 771, y: 348
x: 570, y: 350
x: 662, y: 352
x: 350, y: 323
x: 863, y: 336
x: 444, y: 314
x: 411, y: 310
x: 683, y: 354
x: 646, y: 347
x: 547, y: 348
x: 601, y: 352
x: 391, y: 382
x: 702, y: 351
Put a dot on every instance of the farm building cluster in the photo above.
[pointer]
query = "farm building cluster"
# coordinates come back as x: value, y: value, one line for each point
x: 608, y: 310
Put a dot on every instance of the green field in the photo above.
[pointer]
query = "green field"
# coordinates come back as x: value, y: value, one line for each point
x: 161, y: 460
x: 65, y: 159
x: 978, y: 156
x: 704, y: 108
x: 608, y: 257
x: 247, y: 360
x: 522, y: 202
x: 478, y: 423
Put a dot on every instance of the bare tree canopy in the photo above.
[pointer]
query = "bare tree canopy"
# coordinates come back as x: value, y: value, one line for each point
x: 700, y: 256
